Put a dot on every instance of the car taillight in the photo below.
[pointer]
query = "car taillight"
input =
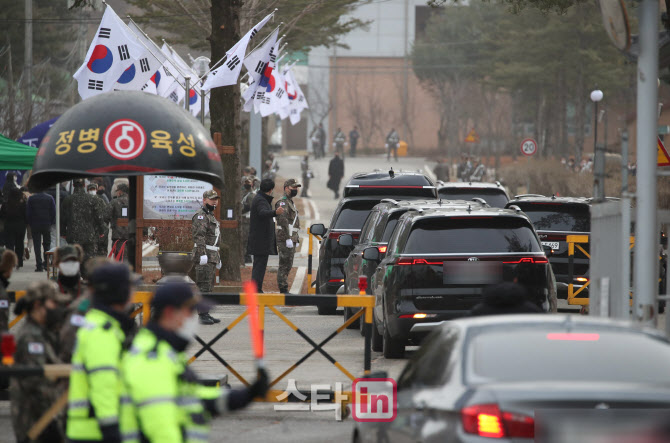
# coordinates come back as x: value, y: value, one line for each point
x: 7, y: 348
x: 418, y: 315
x: 335, y: 234
x: 535, y: 260
x: 336, y: 280
x: 488, y: 421
x: 417, y: 261
x: 382, y: 249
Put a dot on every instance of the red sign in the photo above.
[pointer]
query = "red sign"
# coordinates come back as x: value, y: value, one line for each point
x: 528, y: 147
x: 125, y: 139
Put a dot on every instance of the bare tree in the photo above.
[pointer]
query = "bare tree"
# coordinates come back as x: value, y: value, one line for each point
x: 365, y: 106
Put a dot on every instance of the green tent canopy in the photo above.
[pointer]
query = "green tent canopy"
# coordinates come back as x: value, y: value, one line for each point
x: 15, y: 155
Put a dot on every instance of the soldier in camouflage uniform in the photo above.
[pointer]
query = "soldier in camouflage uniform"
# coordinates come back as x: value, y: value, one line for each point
x: 83, y: 216
x: 288, y: 225
x: 206, y: 235
x: 8, y: 260
x: 249, y: 194
x: 36, y: 346
x: 75, y: 302
x: 119, y: 209
x: 103, y: 239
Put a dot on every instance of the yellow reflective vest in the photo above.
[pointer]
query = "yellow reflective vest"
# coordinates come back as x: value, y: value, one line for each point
x: 167, y: 404
x: 96, y: 390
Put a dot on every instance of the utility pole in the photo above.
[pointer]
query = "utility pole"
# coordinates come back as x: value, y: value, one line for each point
x: 405, y: 98
x: 28, y: 64
x: 646, y: 232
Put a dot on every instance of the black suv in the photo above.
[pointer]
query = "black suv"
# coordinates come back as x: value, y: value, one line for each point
x: 554, y: 219
x: 362, y: 193
x: 439, y: 261
x: 493, y: 193
x: 376, y: 232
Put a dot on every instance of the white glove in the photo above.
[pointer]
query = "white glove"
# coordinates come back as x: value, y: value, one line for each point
x: 219, y: 265
x: 289, y: 243
x: 203, y: 259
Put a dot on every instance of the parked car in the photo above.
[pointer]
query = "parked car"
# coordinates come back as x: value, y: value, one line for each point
x: 362, y: 193
x: 439, y: 261
x: 480, y: 378
x: 493, y: 193
x: 554, y: 219
x: 376, y: 232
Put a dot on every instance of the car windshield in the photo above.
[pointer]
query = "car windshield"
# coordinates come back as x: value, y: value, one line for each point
x: 558, y: 216
x: 539, y: 354
x: 494, y: 197
x: 354, y: 213
x: 471, y: 235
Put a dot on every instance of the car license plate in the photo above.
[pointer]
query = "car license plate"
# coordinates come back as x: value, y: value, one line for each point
x: 552, y: 244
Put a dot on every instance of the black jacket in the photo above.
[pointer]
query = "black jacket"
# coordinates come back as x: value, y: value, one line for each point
x: 336, y: 172
x: 41, y: 210
x: 261, y: 227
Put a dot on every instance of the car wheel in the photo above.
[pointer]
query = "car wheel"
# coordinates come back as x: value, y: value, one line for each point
x: 348, y: 313
x: 327, y: 310
x: 377, y: 339
x: 392, y: 347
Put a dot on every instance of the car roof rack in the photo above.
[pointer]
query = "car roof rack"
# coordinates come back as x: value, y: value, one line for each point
x: 515, y: 208
x: 529, y: 195
x: 389, y: 200
x: 498, y: 183
x: 480, y: 200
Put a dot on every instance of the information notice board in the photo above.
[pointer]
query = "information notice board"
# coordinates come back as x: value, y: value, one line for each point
x: 172, y: 198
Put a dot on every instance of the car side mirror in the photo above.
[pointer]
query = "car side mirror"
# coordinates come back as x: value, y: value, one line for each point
x: 345, y: 240
x: 371, y: 253
x: 317, y: 229
x: 547, y: 250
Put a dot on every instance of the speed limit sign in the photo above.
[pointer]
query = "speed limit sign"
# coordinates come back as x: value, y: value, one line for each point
x: 528, y: 147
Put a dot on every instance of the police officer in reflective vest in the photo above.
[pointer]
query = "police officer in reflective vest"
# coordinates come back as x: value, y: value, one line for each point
x: 288, y: 225
x: 206, y: 234
x: 96, y: 390
x: 167, y: 401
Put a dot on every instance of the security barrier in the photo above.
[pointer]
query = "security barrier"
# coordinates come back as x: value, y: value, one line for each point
x: 575, y: 241
x: 271, y: 302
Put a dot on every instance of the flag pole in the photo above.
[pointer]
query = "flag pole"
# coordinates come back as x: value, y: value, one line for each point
x: 217, y: 64
x: 203, y: 93
x: 156, y: 48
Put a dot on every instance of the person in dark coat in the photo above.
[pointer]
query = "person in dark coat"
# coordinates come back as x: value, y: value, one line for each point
x: 15, y: 222
x: 41, y: 215
x: 335, y: 174
x: 261, y: 243
x: 505, y: 298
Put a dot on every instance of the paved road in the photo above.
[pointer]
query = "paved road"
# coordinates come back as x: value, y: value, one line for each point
x: 261, y: 422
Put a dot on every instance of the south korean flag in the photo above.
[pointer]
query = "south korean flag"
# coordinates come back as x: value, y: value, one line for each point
x: 257, y: 64
x: 113, y: 51
x: 228, y: 73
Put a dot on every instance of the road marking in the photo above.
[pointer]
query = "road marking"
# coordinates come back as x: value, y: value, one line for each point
x: 296, y: 287
x: 315, y: 212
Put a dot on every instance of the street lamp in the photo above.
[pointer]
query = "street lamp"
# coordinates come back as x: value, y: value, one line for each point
x: 598, y: 158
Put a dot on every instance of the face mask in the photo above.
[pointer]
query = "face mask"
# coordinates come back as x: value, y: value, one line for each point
x: 209, y: 207
x: 294, y: 192
x: 69, y: 268
x: 92, y: 192
x: 189, y: 328
x: 100, y: 192
x: 247, y: 187
x: 54, y: 316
